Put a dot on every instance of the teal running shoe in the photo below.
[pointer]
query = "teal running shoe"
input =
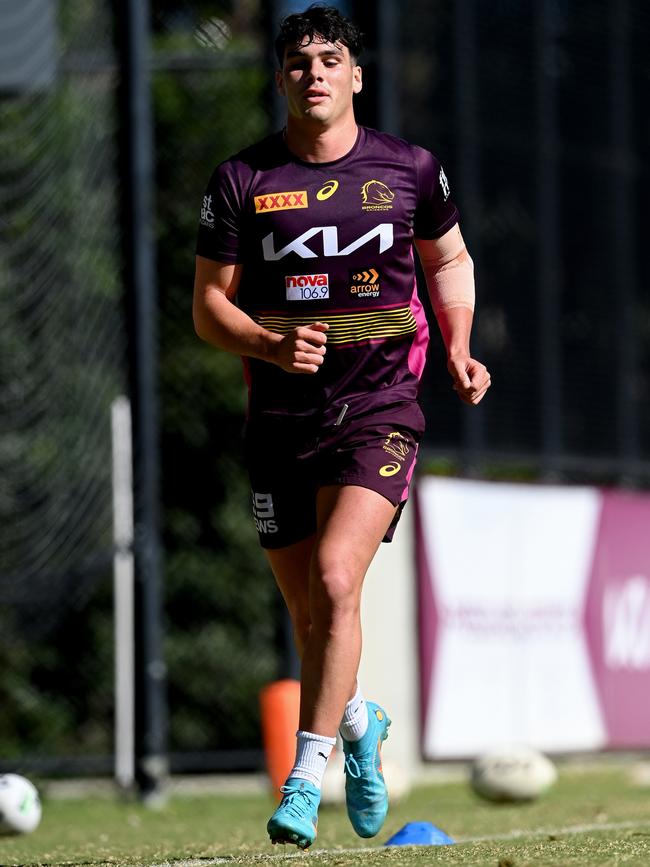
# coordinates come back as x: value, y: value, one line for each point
x: 296, y: 819
x: 365, y: 789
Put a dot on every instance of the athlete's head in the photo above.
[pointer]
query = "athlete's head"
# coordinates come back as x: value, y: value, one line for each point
x: 317, y: 50
x: 318, y: 24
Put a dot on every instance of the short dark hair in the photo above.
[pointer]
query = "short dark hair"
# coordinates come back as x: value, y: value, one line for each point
x: 318, y: 21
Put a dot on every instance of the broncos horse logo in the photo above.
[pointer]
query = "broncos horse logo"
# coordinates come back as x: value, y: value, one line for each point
x: 376, y: 193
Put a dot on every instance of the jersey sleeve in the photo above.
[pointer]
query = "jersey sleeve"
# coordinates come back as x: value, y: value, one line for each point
x: 221, y: 214
x: 435, y: 213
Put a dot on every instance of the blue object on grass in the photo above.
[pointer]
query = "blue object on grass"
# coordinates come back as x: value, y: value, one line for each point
x: 419, y: 834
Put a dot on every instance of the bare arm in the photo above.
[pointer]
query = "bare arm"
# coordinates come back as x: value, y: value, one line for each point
x: 219, y: 321
x: 449, y: 273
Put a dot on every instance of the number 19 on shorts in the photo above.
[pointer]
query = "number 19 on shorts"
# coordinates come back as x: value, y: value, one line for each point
x: 264, y: 513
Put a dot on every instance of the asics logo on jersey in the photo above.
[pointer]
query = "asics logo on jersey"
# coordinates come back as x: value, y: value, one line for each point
x: 384, y: 231
x: 328, y: 189
x: 281, y: 201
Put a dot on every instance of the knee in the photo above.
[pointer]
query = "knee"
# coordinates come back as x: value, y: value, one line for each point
x: 338, y: 593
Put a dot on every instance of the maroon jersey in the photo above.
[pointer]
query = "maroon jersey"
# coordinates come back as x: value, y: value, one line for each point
x: 330, y: 242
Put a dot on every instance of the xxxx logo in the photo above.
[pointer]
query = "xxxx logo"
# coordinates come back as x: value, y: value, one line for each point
x: 327, y: 190
x: 281, y: 201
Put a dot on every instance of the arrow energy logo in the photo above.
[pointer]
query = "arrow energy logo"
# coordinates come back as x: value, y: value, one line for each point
x: 365, y: 283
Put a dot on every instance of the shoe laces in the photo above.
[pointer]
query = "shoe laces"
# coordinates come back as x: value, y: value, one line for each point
x: 297, y: 802
x: 352, y: 766
x: 359, y: 767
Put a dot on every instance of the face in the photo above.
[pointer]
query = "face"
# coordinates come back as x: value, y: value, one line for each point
x: 318, y: 80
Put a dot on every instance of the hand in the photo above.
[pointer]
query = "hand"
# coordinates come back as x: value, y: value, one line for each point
x: 471, y: 378
x: 303, y: 349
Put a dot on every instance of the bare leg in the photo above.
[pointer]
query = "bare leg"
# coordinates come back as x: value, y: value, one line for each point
x: 320, y: 579
x: 352, y: 522
x: 290, y: 567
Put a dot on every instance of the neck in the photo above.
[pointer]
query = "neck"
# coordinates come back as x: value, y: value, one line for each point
x: 318, y: 144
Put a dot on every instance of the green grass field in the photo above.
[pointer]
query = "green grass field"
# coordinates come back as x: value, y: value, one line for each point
x: 590, y: 818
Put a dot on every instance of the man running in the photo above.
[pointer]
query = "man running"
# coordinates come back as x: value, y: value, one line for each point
x: 305, y: 268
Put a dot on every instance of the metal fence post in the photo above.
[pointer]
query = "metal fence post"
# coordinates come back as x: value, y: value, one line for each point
x: 138, y: 177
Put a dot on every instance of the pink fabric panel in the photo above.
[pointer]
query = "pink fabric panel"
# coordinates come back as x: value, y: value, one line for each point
x: 418, y: 351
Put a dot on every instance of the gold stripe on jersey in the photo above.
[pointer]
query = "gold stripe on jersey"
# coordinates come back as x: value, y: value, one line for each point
x: 347, y: 327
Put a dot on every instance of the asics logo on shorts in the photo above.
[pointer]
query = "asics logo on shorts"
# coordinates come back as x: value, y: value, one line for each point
x: 390, y: 469
x: 264, y: 513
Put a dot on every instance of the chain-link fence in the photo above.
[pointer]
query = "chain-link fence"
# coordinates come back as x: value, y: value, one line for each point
x: 536, y: 111
x: 211, y: 94
x: 62, y: 362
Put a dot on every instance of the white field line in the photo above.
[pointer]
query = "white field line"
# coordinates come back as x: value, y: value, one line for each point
x: 551, y: 832
x: 487, y: 838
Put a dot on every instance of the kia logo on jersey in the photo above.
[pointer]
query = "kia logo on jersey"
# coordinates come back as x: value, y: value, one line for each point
x: 384, y: 231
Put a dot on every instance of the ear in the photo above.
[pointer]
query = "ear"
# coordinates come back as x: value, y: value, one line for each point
x: 357, y: 83
x: 279, y: 82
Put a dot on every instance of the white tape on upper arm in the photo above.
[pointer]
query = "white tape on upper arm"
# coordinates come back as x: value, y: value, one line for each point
x: 448, y: 270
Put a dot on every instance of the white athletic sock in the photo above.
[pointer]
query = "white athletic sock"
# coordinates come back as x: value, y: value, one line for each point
x: 355, y: 718
x: 312, y: 753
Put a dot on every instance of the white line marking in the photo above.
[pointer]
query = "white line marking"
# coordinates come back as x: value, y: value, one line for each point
x: 553, y: 832
x: 487, y: 838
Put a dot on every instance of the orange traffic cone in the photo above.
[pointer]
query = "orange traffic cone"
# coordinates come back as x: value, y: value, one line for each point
x: 280, y: 707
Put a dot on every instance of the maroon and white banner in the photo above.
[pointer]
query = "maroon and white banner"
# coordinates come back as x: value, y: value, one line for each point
x: 534, y: 606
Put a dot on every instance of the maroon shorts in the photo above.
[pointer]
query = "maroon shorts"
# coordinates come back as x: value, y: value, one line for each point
x: 290, y: 457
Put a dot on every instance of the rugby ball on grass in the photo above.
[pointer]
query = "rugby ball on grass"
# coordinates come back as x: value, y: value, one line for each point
x: 20, y: 806
x: 512, y: 774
